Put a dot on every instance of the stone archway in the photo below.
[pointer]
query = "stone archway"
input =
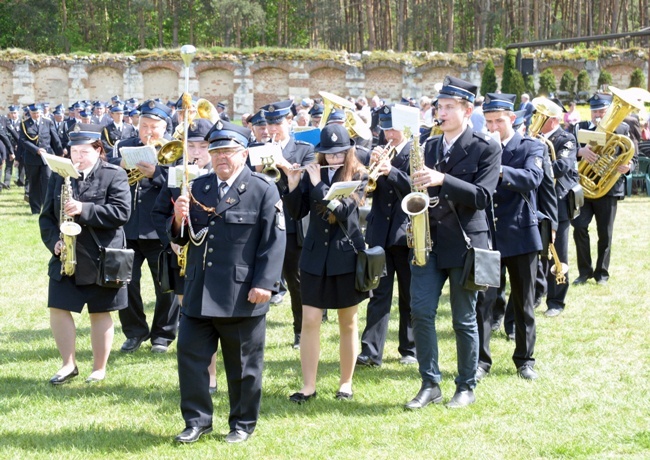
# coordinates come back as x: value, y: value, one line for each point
x: 271, y: 84
x: 385, y: 82
x: 6, y: 88
x: 104, y: 83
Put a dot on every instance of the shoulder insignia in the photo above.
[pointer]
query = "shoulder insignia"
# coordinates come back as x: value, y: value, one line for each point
x: 302, y: 142
x: 242, y: 187
x: 569, y: 145
x: 539, y: 162
x: 279, y: 216
x: 564, y: 153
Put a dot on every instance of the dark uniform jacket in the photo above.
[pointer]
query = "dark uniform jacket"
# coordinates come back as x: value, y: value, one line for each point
x: 386, y: 221
x: 618, y: 190
x: 243, y: 248
x: 6, y: 146
x: 110, y: 134
x: 471, y: 176
x: 301, y: 153
x: 547, y: 203
x: 32, y: 138
x: 515, y: 209
x: 326, y: 250
x: 106, y: 207
x: 144, y: 194
x: 564, y: 168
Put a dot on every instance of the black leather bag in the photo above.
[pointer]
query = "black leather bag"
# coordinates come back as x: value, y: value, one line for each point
x: 371, y: 266
x: 482, y: 269
x: 115, y: 265
x: 575, y: 200
x: 165, y: 276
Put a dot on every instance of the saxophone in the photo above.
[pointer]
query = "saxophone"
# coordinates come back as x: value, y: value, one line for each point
x: 416, y: 206
x: 69, y: 231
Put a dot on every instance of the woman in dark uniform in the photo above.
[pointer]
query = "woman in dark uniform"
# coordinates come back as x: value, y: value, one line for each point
x: 328, y: 261
x: 101, y: 200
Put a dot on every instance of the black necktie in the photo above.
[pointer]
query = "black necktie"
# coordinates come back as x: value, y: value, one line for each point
x: 222, y: 189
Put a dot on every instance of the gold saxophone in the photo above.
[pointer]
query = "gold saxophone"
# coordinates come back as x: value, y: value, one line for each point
x: 69, y: 231
x: 416, y: 206
x: 373, y: 168
x: 598, y: 178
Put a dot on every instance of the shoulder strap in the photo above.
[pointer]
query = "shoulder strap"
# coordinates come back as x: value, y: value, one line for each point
x: 468, y: 241
x: 99, y: 245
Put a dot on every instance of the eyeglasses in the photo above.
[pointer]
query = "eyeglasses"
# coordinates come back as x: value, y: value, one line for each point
x: 339, y: 154
x: 224, y: 152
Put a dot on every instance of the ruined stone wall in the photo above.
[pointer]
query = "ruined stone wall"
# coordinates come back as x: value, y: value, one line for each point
x: 249, y: 83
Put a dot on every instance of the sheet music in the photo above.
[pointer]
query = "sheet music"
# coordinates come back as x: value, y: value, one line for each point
x: 340, y: 190
x: 406, y: 116
x: 133, y: 155
x: 257, y: 152
x: 62, y: 166
x: 176, y: 173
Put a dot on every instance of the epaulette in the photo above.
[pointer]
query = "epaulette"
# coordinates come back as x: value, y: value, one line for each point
x: 264, y: 177
x: 108, y: 165
x: 482, y: 136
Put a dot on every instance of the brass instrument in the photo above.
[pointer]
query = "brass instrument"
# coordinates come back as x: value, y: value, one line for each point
x: 353, y: 122
x: 416, y: 205
x: 69, y: 231
x: 615, y: 150
x: 559, y: 269
x: 168, y: 153
x: 436, y: 130
x: 204, y: 109
x: 270, y: 169
x: 373, y: 168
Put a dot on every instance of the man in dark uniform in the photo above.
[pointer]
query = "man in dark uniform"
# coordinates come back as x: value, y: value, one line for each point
x: 99, y: 116
x: 604, y: 208
x: 516, y: 231
x: 387, y: 228
x: 259, y: 129
x: 566, y: 176
x: 293, y: 152
x: 221, y: 109
x: 316, y: 113
x: 116, y: 130
x: 235, y: 228
x: 141, y: 236
x: 38, y: 136
x: 8, y: 143
x: 12, y: 127
x: 461, y: 169
x: 60, y: 126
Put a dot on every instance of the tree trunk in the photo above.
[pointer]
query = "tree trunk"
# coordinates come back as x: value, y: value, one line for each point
x: 370, y: 20
x: 450, y: 27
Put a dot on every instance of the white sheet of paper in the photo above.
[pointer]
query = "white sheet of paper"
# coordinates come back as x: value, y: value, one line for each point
x: 175, y: 176
x: 406, y: 116
x: 257, y: 152
x: 340, y: 190
x: 62, y: 166
x: 133, y: 155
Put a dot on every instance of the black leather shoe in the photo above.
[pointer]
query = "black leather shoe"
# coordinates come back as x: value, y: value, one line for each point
x: 527, y: 372
x: 481, y: 373
x: 61, y: 379
x: 429, y: 393
x: 296, y: 341
x: 132, y: 344
x: 365, y: 360
x: 552, y: 312
x: 276, y: 299
x: 300, y: 398
x: 236, y: 436
x: 193, y: 433
x: 537, y: 302
x: 343, y: 396
x: 461, y: 398
x: 580, y: 280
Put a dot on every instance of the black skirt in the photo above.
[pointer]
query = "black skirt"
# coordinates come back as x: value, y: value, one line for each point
x: 330, y: 292
x: 66, y: 295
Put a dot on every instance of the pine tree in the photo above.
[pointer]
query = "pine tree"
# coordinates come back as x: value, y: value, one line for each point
x: 509, y: 66
x: 568, y: 83
x: 583, y: 82
x: 530, y: 85
x: 605, y: 78
x: 489, y: 79
x: 547, y: 84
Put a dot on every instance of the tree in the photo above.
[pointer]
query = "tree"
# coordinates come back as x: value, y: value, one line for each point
x: 547, y: 84
x: 605, y: 78
x: 518, y: 86
x: 568, y: 83
x: 509, y: 64
x: 637, y: 79
x: 583, y: 83
x: 489, y: 79
x: 530, y: 85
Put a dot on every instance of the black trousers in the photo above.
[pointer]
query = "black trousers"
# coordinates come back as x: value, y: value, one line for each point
x: 484, y: 317
x: 242, y: 345
x: 38, y: 176
x: 373, y: 338
x: 501, y: 309
x: 291, y: 274
x: 604, y: 209
x: 165, y: 317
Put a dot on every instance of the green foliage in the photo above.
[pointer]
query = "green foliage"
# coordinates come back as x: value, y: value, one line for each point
x: 637, y: 79
x: 530, y: 85
x: 509, y: 67
x: 489, y: 78
x: 605, y: 78
x: 568, y: 83
x: 547, y: 84
x: 518, y: 86
x: 583, y: 83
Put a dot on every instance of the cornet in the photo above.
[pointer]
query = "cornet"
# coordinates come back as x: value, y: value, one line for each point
x: 373, y: 170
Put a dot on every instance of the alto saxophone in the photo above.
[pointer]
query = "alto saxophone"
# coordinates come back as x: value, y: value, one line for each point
x: 416, y: 205
x: 69, y: 231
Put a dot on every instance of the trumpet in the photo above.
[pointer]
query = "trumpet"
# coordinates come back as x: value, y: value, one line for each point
x: 269, y: 168
x: 559, y: 269
x: 373, y: 170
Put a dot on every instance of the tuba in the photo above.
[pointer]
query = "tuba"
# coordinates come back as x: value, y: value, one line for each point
x: 613, y: 149
x: 69, y: 231
x: 373, y: 168
x: 416, y: 205
x: 353, y: 122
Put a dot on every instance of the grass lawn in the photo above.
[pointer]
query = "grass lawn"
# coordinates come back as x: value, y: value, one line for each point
x: 592, y: 399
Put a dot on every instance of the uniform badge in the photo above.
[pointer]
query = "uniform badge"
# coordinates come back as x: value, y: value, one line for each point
x: 206, y: 188
x: 151, y: 104
x: 446, y: 81
x: 569, y: 145
x: 279, y: 216
x: 193, y: 126
x: 219, y: 126
x: 271, y: 108
x: 279, y: 206
x: 242, y: 187
x: 386, y: 109
x: 334, y: 137
x: 487, y: 100
x: 230, y: 200
x: 564, y: 153
x: 538, y: 162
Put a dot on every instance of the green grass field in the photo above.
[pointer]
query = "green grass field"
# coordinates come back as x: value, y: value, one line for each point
x: 592, y: 399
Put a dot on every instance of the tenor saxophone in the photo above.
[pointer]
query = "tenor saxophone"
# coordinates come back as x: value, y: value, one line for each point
x: 69, y: 231
x: 416, y: 206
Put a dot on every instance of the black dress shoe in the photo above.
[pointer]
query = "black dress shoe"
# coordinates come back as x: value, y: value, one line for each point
x: 236, y: 436
x: 461, y: 398
x: 300, y: 398
x: 132, y: 344
x: 193, y: 433
x: 296, y: 341
x: 343, y: 396
x: 581, y: 280
x: 527, y: 372
x: 481, y: 373
x: 429, y: 393
x: 61, y: 379
x: 365, y: 360
x: 19, y: 183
